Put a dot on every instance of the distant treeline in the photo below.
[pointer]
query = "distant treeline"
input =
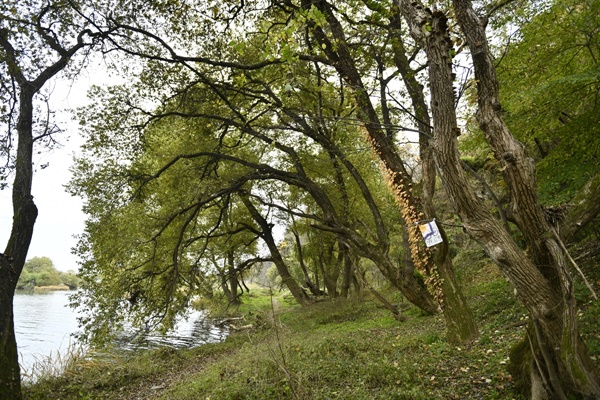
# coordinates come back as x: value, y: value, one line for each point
x: 40, y: 271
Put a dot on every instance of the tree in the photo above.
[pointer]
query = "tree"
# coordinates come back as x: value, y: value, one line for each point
x: 39, y: 271
x: 434, y: 264
x: 196, y: 156
x: 242, y: 66
x: 560, y: 363
x: 275, y: 94
x: 36, y: 44
x: 554, y: 112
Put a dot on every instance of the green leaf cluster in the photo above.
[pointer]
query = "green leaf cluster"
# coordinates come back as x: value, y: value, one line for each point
x: 40, y: 271
x: 550, y: 84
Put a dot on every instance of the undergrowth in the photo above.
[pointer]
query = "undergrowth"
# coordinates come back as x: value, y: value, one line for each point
x: 331, y: 350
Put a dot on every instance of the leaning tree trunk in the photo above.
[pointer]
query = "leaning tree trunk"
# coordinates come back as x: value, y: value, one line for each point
x: 267, y: 235
x: 542, y: 281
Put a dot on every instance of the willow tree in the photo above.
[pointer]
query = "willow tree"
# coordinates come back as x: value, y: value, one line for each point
x: 209, y: 145
x: 560, y: 364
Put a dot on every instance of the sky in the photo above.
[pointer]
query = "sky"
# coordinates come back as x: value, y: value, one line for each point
x: 59, y: 214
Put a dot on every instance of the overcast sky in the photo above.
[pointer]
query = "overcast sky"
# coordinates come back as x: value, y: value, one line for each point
x: 59, y: 214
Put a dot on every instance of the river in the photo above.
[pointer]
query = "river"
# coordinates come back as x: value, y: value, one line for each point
x: 44, y: 324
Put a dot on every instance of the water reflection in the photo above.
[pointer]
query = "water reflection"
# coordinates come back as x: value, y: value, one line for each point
x: 197, y: 329
x: 44, y: 324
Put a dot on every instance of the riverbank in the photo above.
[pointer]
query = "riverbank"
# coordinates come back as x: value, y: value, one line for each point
x: 329, y: 350
x: 45, y: 289
x: 52, y: 288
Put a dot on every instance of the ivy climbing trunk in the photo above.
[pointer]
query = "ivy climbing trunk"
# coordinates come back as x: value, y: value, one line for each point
x: 337, y: 51
x: 460, y: 321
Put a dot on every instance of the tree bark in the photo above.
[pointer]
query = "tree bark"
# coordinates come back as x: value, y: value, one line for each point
x: 329, y: 266
x: 348, y: 270
x: 10, y: 374
x: 13, y: 259
x: 460, y: 321
x: 231, y: 280
x: 24, y: 209
x: 314, y: 288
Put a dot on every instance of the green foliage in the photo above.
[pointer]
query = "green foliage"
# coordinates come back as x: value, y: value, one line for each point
x: 40, y: 271
x: 550, y: 81
x: 163, y: 208
x: 273, y: 277
x: 329, y: 350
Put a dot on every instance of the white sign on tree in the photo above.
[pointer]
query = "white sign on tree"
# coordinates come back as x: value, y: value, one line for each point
x: 431, y: 233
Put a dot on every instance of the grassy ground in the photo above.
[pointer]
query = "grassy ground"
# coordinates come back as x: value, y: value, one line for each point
x: 331, y: 350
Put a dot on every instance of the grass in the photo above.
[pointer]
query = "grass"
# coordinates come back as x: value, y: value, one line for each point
x: 330, y: 350
x: 54, y: 364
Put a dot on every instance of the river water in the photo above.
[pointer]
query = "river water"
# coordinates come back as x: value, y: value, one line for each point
x: 44, y: 324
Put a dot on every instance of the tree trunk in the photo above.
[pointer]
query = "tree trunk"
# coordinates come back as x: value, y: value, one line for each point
x: 397, y: 177
x: 267, y: 235
x: 13, y: 259
x: 10, y: 375
x: 232, y: 280
x: 562, y: 360
x: 329, y: 267
x: 314, y: 289
x: 460, y: 321
x: 401, y: 278
x: 224, y: 284
x: 24, y: 209
x: 348, y: 270
x: 542, y: 282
